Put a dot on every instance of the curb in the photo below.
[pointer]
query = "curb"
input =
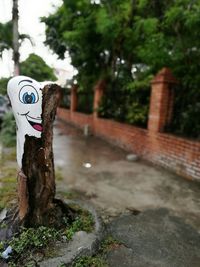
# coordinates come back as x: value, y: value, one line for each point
x: 82, y: 243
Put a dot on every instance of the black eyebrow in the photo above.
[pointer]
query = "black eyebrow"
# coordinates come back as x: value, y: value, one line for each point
x: 25, y: 81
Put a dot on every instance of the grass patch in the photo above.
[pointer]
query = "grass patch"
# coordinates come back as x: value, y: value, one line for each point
x: 31, y: 241
x: 33, y: 238
x: 8, y: 182
x: 9, y: 155
x: 8, y: 179
x: 68, y: 194
x: 58, y: 174
x: 28, y: 243
x: 84, y: 222
x: 109, y: 243
x: 89, y: 261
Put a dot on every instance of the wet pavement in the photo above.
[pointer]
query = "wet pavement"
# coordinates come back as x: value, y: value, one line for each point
x: 153, y: 214
x: 154, y: 238
x: 100, y: 173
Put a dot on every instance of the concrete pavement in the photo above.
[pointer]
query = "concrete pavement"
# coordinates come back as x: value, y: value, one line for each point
x: 153, y: 213
x: 100, y: 173
x: 154, y: 238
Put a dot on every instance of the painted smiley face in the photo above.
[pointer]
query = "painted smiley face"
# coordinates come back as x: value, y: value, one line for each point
x: 29, y: 95
x: 26, y: 99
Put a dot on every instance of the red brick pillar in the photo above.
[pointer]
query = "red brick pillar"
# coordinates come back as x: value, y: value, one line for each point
x: 162, y: 100
x: 98, y: 93
x: 74, y: 98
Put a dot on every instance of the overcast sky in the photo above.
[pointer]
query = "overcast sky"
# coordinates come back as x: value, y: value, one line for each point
x: 30, y: 12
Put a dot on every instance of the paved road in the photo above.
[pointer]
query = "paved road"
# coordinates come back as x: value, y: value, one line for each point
x: 154, y: 238
x: 166, y: 233
x: 115, y: 185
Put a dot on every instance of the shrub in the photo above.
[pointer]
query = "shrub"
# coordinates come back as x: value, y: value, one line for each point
x: 8, y: 130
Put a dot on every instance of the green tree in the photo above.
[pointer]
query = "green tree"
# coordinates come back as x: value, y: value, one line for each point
x: 96, y: 36
x: 174, y: 41
x: 6, y: 41
x: 5, y: 36
x: 101, y: 43
x: 126, y: 42
x: 35, y: 67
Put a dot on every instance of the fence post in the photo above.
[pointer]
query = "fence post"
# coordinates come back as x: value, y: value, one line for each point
x: 98, y: 93
x: 74, y: 98
x: 162, y: 100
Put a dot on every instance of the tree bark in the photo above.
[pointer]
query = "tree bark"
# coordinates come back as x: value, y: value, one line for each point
x: 38, y: 167
x: 16, y: 55
x: 37, y: 204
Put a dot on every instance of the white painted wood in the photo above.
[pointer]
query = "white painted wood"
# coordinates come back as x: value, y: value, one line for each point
x: 26, y: 99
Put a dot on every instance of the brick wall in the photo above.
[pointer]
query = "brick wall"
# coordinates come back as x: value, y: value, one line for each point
x: 75, y: 118
x: 172, y: 152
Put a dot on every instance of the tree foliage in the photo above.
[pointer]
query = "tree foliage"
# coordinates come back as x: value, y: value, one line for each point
x: 35, y: 67
x: 122, y: 41
x: 3, y: 85
x: 6, y: 37
x: 8, y: 130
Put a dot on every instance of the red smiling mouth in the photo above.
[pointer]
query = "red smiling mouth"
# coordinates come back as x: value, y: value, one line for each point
x: 35, y: 123
x: 36, y: 126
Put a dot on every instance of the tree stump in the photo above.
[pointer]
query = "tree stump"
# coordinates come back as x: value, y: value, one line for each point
x: 36, y: 181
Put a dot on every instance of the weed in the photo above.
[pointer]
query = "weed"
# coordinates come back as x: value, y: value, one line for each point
x: 1, y: 246
x: 83, y: 222
x: 28, y: 241
x: 98, y: 260
x: 109, y: 243
x: 89, y: 261
x: 3, y: 225
x: 34, y: 238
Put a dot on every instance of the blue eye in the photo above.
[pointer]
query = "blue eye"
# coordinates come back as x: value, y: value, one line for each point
x: 28, y: 95
x: 28, y: 98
